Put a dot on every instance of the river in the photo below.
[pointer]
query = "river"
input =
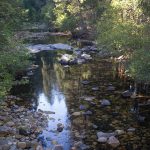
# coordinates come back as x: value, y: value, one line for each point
x: 74, y: 97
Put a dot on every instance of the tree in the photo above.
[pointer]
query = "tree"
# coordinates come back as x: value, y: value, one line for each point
x: 124, y: 28
x: 13, y: 56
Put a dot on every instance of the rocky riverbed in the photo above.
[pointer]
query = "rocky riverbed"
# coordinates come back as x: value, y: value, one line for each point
x: 19, y: 126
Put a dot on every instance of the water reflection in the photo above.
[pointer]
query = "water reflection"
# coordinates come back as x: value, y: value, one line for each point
x: 51, y: 98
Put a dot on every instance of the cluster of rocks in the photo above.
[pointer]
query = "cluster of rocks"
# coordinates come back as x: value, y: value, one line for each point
x: 68, y: 59
x: 19, y: 127
x: 79, y: 56
x: 108, y: 138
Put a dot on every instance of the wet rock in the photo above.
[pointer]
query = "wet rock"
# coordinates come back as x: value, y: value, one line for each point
x: 18, y: 136
x: 67, y: 59
x: 40, y: 47
x: 80, y: 61
x: 21, y: 145
x: 85, y: 82
x: 58, y: 147
x: 102, y: 139
x: 111, y: 88
x: 113, y: 142
x: 95, y: 126
x: 105, y: 102
x: 106, y: 135
x: 78, y: 121
x: 126, y: 94
x: 82, y: 107
x: 60, y: 127
x: 76, y: 113
x: 88, y: 98
x: 61, y: 46
x: 141, y: 119
x: 131, y: 129
x: 73, y: 148
x: 87, y: 113
x: 86, y: 56
x: 10, y: 123
x: 119, y: 132
x: 95, y: 88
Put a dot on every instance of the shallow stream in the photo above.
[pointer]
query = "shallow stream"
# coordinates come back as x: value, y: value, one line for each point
x: 72, y: 98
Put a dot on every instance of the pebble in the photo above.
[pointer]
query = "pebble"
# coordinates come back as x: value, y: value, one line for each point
x: 76, y: 114
x: 131, y: 129
x: 102, y: 139
x: 21, y: 145
x: 113, y: 141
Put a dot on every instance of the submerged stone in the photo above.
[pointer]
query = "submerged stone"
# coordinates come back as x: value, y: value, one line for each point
x: 85, y: 82
x: 21, y: 145
x: 82, y: 107
x: 105, y: 102
x: 102, y: 139
x: 76, y: 113
x: 87, y: 112
x: 95, y: 88
x: 88, y: 98
x: 126, y: 94
x: 111, y: 88
x: 113, y: 142
x: 103, y: 134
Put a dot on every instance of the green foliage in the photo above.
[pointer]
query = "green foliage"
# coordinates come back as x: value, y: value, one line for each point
x: 48, y: 13
x: 12, y: 61
x: 124, y: 28
x: 139, y: 66
x: 69, y: 23
x: 13, y: 56
x: 33, y: 9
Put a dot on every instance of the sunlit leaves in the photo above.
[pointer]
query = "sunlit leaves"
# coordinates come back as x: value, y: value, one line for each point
x: 124, y: 27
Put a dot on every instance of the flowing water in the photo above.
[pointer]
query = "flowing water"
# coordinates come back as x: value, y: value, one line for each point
x: 64, y: 91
